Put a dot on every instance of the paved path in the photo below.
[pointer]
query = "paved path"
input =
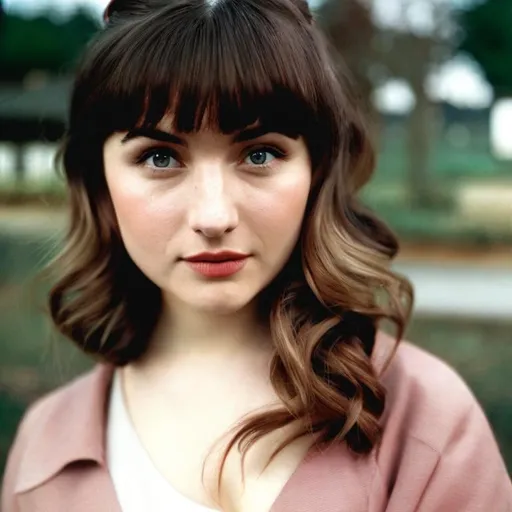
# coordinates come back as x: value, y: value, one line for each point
x: 461, y: 290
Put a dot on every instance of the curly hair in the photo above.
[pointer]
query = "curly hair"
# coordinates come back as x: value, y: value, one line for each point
x: 241, y: 62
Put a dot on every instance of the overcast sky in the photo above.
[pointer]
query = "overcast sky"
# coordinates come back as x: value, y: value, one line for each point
x: 459, y: 82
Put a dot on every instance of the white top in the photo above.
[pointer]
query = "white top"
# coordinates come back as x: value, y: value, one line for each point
x: 139, y: 486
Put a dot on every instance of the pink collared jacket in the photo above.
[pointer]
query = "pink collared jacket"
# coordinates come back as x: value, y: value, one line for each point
x: 438, y: 453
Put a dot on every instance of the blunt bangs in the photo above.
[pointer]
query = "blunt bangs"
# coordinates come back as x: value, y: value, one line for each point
x: 221, y: 67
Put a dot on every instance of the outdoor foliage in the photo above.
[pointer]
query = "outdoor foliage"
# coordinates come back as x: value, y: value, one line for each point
x: 488, y: 39
x: 42, y: 43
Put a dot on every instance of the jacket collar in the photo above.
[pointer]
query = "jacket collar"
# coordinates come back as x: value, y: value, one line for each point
x: 65, y: 427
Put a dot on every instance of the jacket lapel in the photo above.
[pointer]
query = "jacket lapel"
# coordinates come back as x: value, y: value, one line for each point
x: 79, y: 488
x: 328, y: 480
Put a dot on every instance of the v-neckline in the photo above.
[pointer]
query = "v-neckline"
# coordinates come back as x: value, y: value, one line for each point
x: 296, y: 474
x: 123, y: 426
x: 275, y: 507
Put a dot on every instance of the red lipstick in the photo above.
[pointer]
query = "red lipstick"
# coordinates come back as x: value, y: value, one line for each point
x: 217, y: 264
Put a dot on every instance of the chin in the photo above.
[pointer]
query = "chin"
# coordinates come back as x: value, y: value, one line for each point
x: 217, y: 301
x: 219, y: 308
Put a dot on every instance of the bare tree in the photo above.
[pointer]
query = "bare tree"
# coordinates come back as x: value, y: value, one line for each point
x: 420, y: 40
x: 411, y: 45
x: 349, y: 27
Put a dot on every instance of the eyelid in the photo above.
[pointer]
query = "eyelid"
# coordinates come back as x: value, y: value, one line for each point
x: 271, y: 148
x: 148, y: 152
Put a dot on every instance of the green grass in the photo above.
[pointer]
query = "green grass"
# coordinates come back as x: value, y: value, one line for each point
x: 446, y: 163
x: 482, y: 354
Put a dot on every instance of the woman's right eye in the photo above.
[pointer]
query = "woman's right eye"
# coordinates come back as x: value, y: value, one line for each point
x: 159, y: 158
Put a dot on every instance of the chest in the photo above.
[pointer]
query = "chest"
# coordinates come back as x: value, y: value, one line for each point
x: 186, y: 449
x: 326, y: 481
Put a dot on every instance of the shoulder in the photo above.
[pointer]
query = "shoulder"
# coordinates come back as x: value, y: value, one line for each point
x: 426, y: 398
x: 43, y: 444
x: 438, y: 451
x: 62, y: 402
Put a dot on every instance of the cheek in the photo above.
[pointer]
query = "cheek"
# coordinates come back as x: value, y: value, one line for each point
x: 145, y: 220
x: 280, y: 212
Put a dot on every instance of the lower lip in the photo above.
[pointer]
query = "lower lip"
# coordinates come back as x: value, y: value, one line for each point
x: 217, y: 269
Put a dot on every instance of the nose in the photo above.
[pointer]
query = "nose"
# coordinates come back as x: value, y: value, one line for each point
x: 212, y: 212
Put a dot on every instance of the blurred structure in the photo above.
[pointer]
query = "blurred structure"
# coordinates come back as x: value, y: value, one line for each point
x: 37, y: 55
x: 32, y: 120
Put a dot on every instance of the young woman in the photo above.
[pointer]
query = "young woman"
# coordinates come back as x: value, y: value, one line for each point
x: 221, y: 271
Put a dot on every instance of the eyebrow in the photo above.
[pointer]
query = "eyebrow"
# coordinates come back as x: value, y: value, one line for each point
x: 155, y: 134
x: 251, y: 133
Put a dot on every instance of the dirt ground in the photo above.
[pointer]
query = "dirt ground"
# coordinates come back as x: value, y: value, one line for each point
x: 500, y: 256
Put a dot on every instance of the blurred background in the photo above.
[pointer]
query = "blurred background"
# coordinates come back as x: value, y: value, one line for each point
x: 437, y: 78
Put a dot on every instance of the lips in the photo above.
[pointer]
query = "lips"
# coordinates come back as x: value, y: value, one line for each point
x: 222, y: 264
x: 217, y: 257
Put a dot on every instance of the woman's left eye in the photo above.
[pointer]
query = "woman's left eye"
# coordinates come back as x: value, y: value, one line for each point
x: 260, y: 157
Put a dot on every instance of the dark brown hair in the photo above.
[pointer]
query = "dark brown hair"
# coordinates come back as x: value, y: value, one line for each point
x: 232, y: 63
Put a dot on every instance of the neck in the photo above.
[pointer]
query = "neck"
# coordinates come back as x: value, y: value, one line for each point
x: 183, y: 335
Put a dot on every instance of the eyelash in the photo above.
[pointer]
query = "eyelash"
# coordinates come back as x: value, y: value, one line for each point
x: 276, y: 152
x: 140, y: 159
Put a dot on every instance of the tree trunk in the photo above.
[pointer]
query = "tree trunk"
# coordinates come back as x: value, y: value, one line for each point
x: 419, y: 138
x: 19, y: 166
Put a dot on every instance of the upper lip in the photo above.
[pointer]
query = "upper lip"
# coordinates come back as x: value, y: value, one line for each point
x: 216, y: 256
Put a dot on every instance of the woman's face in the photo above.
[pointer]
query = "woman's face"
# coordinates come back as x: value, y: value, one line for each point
x: 238, y: 198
